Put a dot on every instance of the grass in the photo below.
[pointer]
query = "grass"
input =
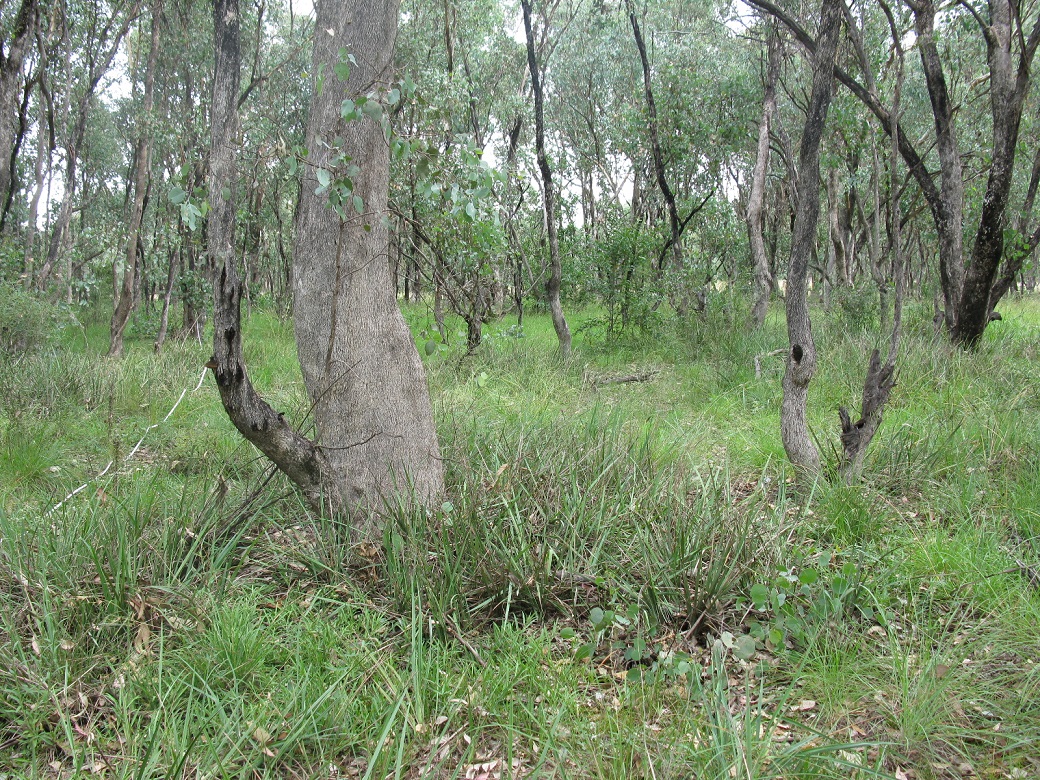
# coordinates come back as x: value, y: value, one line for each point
x: 624, y: 582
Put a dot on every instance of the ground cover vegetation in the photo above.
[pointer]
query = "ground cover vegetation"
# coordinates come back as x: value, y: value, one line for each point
x: 464, y: 391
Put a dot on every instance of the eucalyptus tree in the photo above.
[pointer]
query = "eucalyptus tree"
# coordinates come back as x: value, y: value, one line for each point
x: 92, y: 35
x: 16, y: 37
x: 374, y: 423
x: 126, y: 295
x: 549, y: 195
x: 1010, y: 35
x: 801, y: 358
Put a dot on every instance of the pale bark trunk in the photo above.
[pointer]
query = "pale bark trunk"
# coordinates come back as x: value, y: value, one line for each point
x: 102, y: 61
x: 371, y: 405
x: 801, y: 359
x: 555, y: 281
x: 756, y: 200
x: 125, y: 301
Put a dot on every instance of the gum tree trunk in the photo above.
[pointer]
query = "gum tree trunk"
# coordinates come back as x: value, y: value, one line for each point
x: 552, y: 286
x: 756, y: 200
x: 10, y: 85
x: 801, y: 358
x: 125, y: 301
x: 364, y: 376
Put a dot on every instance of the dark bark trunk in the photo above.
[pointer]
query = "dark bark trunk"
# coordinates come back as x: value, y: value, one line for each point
x: 295, y: 455
x: 801, y: 359
x: 655, y: 147
x: 555, y: 281
x: 10, y: 85
x: 1008, y: 89
x: 881, y: 378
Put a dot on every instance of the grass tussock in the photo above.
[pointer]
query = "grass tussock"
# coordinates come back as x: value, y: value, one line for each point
x: 622, y: 581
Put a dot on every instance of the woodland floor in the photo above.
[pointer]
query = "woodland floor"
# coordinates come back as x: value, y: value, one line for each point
x: 623, y: 583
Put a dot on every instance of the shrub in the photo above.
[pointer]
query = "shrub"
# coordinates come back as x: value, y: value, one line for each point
x: 26, y: 323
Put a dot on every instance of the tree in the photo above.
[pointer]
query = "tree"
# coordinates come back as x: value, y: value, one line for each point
x: 10, y: 84
x: 968, y: 289
x: 801, y: 359
x: 756, y: 200
x: 127, y: 297
x: 374, y: 422
x: 552, y: 286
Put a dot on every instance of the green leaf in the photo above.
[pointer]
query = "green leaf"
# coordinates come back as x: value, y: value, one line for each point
x: 177, y: 195
x: 342, y: 70
x: 447, y: 507
x: 324, y: 177
x: 809, y: 576
x: 471, y: 211
x: 596, y: 616
x: 759, y: 596
x: 568, y: 633
x: 431, y: 347
x: 393, y: 96
x: 744, y: 647
x: 359, y: 204
x: 584, y: 651
x: 225, y: 193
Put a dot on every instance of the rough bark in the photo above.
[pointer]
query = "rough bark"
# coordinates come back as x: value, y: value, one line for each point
x: 125, y: 301
x: 296, y: 456
x: 367, y: 384
x: 801, y: 358
x: 881, y: 378
x: 949, y: 219
x: 555, y: 281
x: 655, y: 145
x: 10, y: 85
x: 1008, y: 88
x: 756, y: 200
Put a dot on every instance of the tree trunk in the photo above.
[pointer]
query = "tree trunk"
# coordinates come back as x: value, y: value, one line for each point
x: 950, y: 215
x: 125, y: 302
x: 295, y: 455
x: 1008, y: 89
x: 555, y: 281
x: 371, y: 404
x: 10, y: 85
x: 756, y: 200
x: 801, y: 360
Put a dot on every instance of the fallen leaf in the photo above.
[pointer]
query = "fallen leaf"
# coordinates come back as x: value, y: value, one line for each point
x: 804, y: 706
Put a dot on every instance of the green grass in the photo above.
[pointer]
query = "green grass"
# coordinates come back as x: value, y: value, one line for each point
x: 626, y: 582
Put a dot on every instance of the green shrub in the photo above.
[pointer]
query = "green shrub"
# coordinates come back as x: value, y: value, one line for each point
x: 26, y: 323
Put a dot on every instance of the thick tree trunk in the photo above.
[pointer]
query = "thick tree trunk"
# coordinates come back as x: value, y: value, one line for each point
x: 756, y: 200
x: 125, y: 302
x: 10, y: 85
x: 555, y: 281
x: 801, y: 359
x: 362, y: 371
